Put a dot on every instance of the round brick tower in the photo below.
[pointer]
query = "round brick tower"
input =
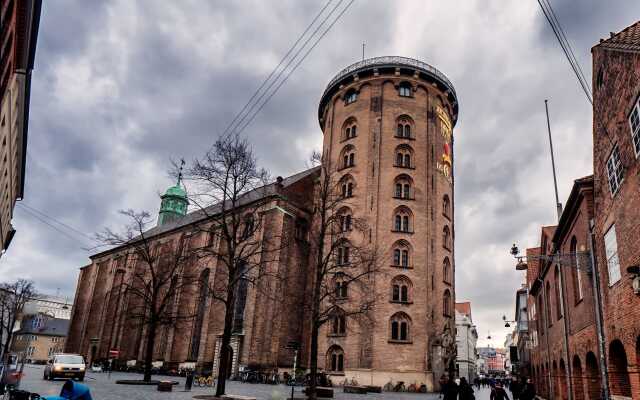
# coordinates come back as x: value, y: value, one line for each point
x: 387, y: 125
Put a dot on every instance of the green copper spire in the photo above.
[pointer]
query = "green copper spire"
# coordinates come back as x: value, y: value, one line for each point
x: 174, y: 202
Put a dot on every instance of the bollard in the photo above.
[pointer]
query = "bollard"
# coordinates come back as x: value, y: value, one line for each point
x: 188, y: 382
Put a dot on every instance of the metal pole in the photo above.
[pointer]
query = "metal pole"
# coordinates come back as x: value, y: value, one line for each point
x: 553, y: 163
x: 362, y: 51
x: 565, y: 325
x: 595, y: 280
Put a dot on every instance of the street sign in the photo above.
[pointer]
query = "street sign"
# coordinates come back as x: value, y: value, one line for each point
x: 114, y: 353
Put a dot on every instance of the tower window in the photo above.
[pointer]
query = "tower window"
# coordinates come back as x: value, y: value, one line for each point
x: 404, y: 90
x: 400, y: 327
x: 351, y: 96
x: 614, y: 171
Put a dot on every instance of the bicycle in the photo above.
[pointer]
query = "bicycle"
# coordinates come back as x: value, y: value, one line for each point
x: 203, y: 381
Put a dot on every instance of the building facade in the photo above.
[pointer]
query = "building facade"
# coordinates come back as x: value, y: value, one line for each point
x: 616, y: 169
x: 492, y: 361
x: 388, y: 129
x: 387, y: 125
x: 466, y: 342
x: 19, y: 30
x: 40, y: 337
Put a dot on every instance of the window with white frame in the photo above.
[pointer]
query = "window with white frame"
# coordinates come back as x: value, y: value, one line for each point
x: 634, y: 122
x: 611, y: 250
x: 614, y: 170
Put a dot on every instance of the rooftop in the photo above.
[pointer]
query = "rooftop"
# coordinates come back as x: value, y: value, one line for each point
x: 426, y: 71
x: 627, y: 39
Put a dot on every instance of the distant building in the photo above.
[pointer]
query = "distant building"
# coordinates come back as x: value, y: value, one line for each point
x: 493, y: 360
x: 18, y: 34
x: 466, y: 341
x: 40, y: 337
x: 56, y: 306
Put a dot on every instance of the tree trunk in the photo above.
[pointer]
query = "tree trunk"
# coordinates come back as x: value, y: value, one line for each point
x: 313, y: 362
x: 224, y: 347
x: 148, y: 354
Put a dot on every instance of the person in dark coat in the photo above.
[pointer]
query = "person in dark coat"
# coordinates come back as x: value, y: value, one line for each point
x: 498, y: 393
x: 528, y: 390
x: 450, y: 390
x: 465, y: 391
x: 515, y: 388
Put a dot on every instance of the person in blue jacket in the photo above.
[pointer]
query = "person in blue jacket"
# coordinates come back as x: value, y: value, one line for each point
x: 72, y: 391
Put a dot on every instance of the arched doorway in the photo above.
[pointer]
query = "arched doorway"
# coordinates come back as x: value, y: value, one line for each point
x: 562, y: 380
x: 618, y: 373
x: 578, y: 389
x: 594, y: 389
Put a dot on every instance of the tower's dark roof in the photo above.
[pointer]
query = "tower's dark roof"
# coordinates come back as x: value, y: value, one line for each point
x: 426, y: 71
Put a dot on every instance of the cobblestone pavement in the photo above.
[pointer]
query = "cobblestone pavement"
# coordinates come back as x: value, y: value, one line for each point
x: 104, y: 387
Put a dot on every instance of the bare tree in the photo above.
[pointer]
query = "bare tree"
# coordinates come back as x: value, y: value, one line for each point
x: 13, y: 297
x: 344, y: 264
x: 160, y: 271
x: 231, y: 192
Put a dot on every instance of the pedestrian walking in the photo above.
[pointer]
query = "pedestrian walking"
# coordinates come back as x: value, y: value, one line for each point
x: 528, y: 391
x: 515, y: 388
x: 498, y: 393
x: 465, y: 391
x: 450, y: 391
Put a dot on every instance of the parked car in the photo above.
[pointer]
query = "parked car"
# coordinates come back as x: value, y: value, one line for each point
x: 96, y: 368
x: 65, y: 366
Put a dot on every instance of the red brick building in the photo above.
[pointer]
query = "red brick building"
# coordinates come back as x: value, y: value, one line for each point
x: 616, y: 167
x: 388, y: 126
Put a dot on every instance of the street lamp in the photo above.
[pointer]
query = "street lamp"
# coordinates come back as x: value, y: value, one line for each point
x: 507, y: 323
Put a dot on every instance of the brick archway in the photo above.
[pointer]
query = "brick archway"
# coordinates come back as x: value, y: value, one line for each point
x: 578, y: 389
x: 562, y: 381
x: 618, y: 372
x: 594, y: 389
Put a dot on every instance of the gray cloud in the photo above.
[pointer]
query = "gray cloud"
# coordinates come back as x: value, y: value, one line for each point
x: 122, y: 87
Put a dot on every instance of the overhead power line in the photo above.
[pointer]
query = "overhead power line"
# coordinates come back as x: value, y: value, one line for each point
x: 551, y: 17
x: 297, y: 65
x: 281, y: 74
x: 264, y: 82
x: 36, y: 216
x: 47, y: 216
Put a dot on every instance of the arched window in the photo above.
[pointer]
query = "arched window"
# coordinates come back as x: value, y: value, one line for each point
x: 446, y: 270
x: 403, y: 187
x: 404, y: 156
x: 343, y: 251
x: 351, y: 96
x: 446, y: 206
x: 404, y: 127
x: 404, y: 89
x: 348, y: 156
x: 577, y: 270
x: 249, y: 226
x: 402, y: 220
x: 400, y: 326
x: 541, y: 314
x: 341, y: 287
x: 558, y: 293
x: 335, y: 359
x: 446, y: 238
x: 401, y: 254
x: 350, y: 129
x: 347, y: 186
x: 202, y: 304
x: 345, y: 219
x: 401, y: 289
x: 446, y: 303
x: 339, y: 323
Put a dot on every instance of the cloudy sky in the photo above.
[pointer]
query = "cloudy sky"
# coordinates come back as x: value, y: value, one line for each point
x: 122, y: 87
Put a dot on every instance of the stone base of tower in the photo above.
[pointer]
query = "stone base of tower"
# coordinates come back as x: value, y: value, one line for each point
x: 382, y: 377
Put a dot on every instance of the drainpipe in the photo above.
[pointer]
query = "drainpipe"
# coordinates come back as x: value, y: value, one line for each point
x: 545, y: 313
x: 595, y: 280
